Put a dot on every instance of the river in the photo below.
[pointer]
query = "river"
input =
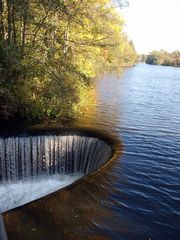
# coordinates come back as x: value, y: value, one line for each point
x: 138, y: 195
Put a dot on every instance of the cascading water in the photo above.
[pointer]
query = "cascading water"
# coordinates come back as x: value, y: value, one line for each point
x: 34, y: 166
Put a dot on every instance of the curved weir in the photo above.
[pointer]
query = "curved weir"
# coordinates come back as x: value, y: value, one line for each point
x: 32, y: 166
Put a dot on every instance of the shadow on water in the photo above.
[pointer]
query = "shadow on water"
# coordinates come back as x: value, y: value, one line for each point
x: 137, y: 195
x: 61, y: 214
x: 66, y: 214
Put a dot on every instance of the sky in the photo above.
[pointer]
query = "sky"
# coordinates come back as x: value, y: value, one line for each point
x: 153, y: 24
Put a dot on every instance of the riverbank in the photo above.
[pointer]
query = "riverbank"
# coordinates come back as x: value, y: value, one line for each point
x: 164, y: 58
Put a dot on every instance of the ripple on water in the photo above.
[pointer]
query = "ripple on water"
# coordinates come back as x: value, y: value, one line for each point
x: 138, y: 195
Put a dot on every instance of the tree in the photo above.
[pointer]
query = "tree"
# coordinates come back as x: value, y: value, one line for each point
x: 51, y: 50
x: 164, y: 58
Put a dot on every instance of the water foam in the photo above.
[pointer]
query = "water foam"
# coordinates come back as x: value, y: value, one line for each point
x: 33, y: 166
x: 19, y: 193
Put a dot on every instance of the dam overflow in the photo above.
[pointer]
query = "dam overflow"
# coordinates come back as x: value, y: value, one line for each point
x: 33, y: 166
x: 25, y: 157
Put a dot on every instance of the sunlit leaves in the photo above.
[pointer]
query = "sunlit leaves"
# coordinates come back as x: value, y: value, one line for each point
x: 55, y: 50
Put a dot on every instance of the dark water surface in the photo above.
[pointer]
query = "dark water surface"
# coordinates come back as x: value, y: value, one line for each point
x: 138, y: 195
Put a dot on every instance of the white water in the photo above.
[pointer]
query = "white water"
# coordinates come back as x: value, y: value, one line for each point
x: 23, y: 157
x: 34, y: 166
x: 15, y: 194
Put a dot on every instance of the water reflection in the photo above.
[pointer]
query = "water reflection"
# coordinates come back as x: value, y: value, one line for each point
x: 68, y: 213
x: 136, y: 196
x: 104, y: 118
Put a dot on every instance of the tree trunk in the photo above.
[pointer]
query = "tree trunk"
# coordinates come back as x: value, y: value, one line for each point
x: 9, y: 9
x: 24, y: 26
x: 1, y: 20
x: 66, y: 37
x: 13, y: 24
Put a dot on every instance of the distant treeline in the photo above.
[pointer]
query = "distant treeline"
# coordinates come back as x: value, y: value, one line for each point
x: 163, y: 58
